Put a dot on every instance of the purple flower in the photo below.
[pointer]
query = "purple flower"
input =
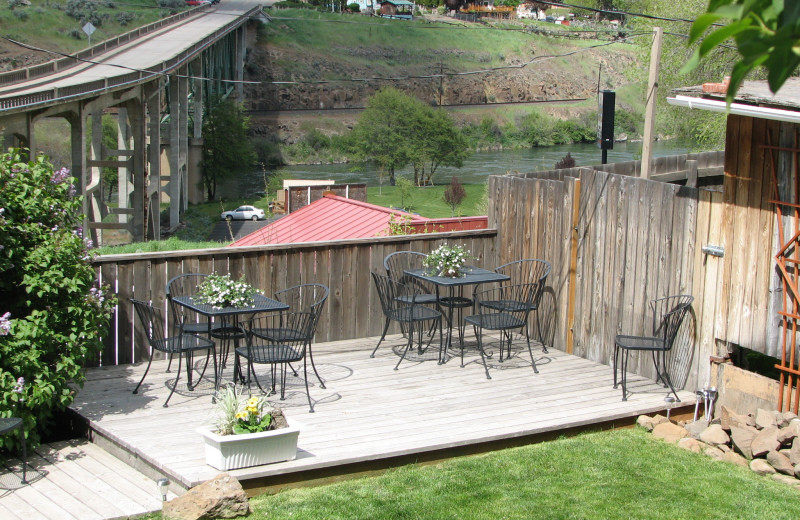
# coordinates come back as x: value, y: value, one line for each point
x: 60, y: 176
x: 20, y: 386
x: 5, y: 324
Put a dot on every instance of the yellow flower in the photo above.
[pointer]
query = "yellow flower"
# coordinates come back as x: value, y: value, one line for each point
x: 253, y: 401
x: 241, y: 415
x: 252, y: 409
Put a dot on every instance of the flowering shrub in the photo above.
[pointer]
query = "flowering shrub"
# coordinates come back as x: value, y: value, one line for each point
x: 221, y: 291
x: 447, y: 260
x: 53, y: 312
x: 237, y: 414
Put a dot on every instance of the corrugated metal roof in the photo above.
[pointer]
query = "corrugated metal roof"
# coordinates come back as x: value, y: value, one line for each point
x: 329, y: 218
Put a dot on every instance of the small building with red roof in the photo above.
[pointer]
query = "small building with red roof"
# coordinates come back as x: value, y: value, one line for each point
x: 338, y: 218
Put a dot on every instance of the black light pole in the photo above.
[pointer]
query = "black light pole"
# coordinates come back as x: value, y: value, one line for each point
x: 607, y: 101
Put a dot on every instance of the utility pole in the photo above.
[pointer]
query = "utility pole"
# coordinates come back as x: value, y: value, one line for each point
x: 650, y: 106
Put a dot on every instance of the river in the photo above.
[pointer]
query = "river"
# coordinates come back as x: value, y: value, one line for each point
x: 476, y: 168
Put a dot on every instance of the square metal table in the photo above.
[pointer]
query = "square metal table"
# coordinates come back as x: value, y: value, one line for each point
x: 471, y: 276
x: 230, y: 316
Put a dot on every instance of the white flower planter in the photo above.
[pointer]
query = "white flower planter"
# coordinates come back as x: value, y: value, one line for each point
x: 226, y: 452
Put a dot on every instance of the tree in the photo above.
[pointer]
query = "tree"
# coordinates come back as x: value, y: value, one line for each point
x: 396, y: 128
x: 226, y: 149
x: 766, y: 33
x: 566, y: 162
x: 454, y: 195
x: 406, y: 189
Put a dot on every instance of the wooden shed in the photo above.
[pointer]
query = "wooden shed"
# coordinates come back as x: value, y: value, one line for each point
x: 757, y: 303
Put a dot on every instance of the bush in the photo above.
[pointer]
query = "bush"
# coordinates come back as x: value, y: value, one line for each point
x: 16, y: 3
x: 316, y: 140
x: 21, y: 15
x: 76, y: 33
x: 171, y: 4
x: 354, y: 7
x: 124, y: 18
x: 53, y: 313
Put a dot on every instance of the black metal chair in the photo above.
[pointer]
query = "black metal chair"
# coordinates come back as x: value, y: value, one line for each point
x: 8, y: 425
x: 399, y: 303
x: 503, y: 309
x: 309, y: 297
x: 532, y: 272
x: 180, y: 343
x: 397, y: 263
x: 668, y: 315
x: 277, y: 351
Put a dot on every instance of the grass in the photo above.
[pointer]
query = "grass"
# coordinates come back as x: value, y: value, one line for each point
x: 604, y: 475
x: 428, y: 201
x: 46, y: 24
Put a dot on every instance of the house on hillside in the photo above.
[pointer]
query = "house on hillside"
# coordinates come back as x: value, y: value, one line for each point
x: 402, y: 9
x: 338, y: 218
x: 757, y: 243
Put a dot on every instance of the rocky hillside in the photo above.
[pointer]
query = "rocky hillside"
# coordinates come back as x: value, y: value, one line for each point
x: 277, y: 56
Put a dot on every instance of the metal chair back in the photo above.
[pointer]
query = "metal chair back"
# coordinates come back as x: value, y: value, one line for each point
x: 309, y: 297
x: 397, y: 299
x: 154, y: 323
x: 186, y: 285
x: 528, y: 271
x: 400, y: 261
x: 668, y: 315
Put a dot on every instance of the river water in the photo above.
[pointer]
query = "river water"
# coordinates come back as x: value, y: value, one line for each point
x: 476, y: 168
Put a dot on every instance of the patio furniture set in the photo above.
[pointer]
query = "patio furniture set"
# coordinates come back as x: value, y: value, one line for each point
x: 278, y: 331
x: 275, y: 331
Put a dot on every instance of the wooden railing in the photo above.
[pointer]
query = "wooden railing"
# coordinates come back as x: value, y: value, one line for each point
x: 352, y: 309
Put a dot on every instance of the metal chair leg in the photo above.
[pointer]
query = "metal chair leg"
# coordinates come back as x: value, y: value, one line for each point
x: 385, y: 328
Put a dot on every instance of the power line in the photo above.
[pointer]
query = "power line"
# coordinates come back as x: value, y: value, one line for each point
x: 614, y: 11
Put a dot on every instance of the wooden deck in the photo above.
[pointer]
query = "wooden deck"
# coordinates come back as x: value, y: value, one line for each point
x: 369, y: 413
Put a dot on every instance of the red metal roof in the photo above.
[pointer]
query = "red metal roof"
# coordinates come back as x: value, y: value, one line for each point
x: 329, y: 218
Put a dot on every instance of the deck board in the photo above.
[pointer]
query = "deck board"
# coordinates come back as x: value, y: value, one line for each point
x: 368, y: 410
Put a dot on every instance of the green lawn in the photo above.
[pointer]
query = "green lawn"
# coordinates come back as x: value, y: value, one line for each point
x: 605, y: 475
x: 428, y: 201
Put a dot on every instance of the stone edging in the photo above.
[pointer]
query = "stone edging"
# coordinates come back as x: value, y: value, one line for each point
x: 767, y: 443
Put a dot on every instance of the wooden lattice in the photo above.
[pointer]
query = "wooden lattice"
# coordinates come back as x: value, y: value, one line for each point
x: 788, y: 263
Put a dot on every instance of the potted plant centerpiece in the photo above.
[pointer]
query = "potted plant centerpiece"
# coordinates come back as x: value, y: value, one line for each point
x: 222, y: 291
x: 447, y: 261
x: 247, y: 432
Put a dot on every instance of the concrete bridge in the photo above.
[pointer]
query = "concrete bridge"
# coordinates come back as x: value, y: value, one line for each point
x: 152, y: 82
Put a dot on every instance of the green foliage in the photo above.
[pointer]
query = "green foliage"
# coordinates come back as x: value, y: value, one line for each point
x: 354, y: 7
x: 268, y: 152
x: 49, y: 290
x: 766, y: 32
x: 406, y: 190
x: 396, y: 128
x: 226, y: 148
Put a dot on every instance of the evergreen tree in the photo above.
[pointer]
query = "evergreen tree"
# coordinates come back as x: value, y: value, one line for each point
x: 226, y: 148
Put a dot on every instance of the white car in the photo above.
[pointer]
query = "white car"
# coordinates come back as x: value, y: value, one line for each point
x: 243, y: 213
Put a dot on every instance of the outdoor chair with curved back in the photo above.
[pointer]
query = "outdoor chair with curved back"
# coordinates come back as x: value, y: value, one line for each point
x: 668, y: 315
x: 532, y: 272
x: 397, y: 263
x: 399, y: 303
x: 309, y: 297
x: 503, y: 309
x: 278, y: 352
x: 179, y: 343
x: 187, y: 285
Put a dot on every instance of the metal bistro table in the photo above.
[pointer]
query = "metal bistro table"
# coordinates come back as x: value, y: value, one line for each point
x: 230, y: 317
x: 455, y: 292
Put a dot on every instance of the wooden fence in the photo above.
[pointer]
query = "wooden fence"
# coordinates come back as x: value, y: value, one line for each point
x: 352, y: 309
x: 616, y: 242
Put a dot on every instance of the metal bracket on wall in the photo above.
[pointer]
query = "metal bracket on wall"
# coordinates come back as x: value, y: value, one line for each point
x: 714, y: 250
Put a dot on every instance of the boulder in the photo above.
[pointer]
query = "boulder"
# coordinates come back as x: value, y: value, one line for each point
x: 742, y: 439
x: 735, y: 458
x: 762, y: 467
x: 765, y: 441
x: 648, y: 423
x: 220, y: 497
x: 788, y: 433
x: 794, y: 453
x: 696, y: 428
x: 715, y: 435
x: 780, y: 462
x: 787, y: 418
x: 715, y: 453
x: 789, y: 481
x: 797, y: 470
x: 765, y: 419
x: 729, y: 418
x: 693, y: 445
x: 671, y: 433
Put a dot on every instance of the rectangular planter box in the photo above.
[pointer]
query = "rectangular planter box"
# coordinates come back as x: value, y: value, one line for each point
x: 226, y: 452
